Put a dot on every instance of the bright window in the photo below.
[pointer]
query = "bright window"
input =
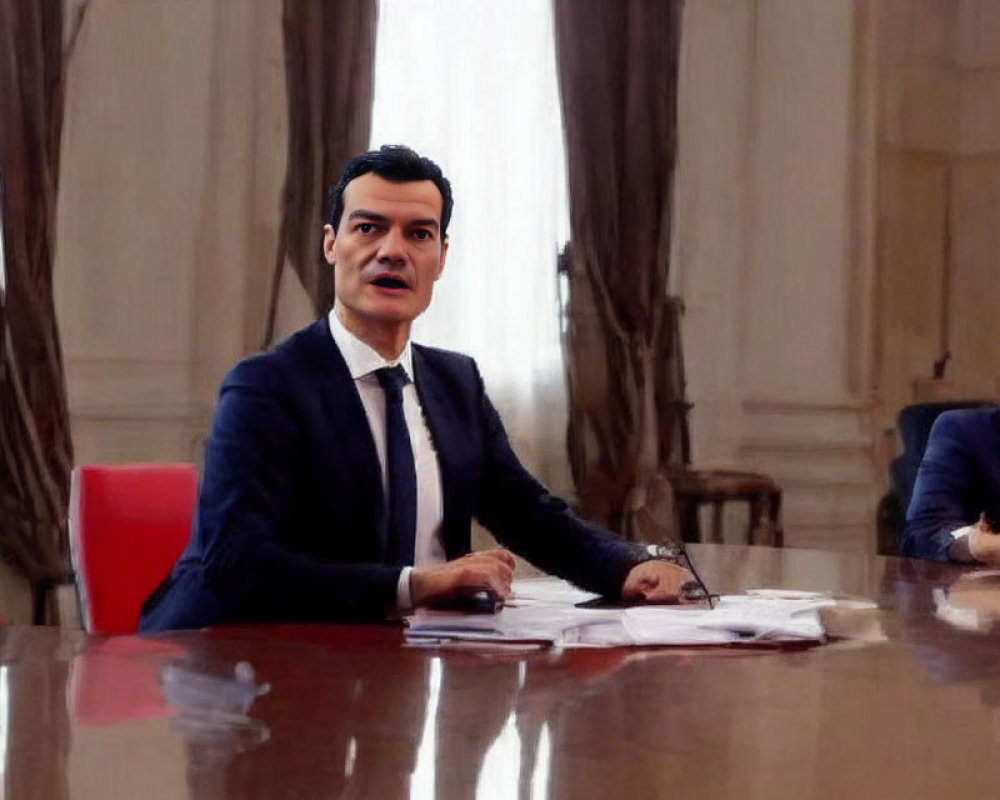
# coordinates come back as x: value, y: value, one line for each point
x: 473, y: 86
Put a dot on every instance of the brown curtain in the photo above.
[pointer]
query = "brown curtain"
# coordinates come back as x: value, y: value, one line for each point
x: 36, y: 452
x: 618, y: 82
x: 329, y: 66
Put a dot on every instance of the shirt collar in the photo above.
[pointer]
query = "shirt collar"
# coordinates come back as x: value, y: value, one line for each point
x: 361, y: 359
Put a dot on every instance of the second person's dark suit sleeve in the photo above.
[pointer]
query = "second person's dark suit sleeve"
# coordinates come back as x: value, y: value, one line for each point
x: 947, y: 494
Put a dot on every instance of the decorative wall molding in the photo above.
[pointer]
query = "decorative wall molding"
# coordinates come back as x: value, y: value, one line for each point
x: 108, y: 438
x: 126, y: 412
x: 827, y: 459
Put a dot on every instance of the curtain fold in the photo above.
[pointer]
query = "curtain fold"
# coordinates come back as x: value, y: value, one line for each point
x: 617, y: 67
x: 36, y: 453
x: 329, y: 57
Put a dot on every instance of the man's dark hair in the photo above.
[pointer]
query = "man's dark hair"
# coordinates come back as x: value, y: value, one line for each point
x: 397, y: 163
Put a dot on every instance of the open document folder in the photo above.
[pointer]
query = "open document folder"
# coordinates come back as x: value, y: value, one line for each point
x: 546, y: 611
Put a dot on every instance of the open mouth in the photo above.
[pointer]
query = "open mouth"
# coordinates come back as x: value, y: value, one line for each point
x: 390, y: 283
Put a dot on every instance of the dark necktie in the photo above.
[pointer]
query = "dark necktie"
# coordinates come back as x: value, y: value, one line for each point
x: 399, y: 465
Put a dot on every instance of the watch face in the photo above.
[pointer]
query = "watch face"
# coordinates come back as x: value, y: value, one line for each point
x: 668, y: 551
x: 692, y: 592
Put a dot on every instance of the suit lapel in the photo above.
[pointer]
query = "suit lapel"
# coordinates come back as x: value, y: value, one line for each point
x: 351, y: 432
x: 447, y: 442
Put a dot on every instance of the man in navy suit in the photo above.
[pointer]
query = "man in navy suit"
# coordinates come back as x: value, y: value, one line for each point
x: 297, y: 516
x: 956, y: 497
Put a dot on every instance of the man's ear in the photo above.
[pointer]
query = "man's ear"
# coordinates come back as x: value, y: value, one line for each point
x: 329, y: 240
x: 444, y: 253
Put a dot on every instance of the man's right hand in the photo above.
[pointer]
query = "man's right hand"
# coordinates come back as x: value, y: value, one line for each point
x: 455, y: 580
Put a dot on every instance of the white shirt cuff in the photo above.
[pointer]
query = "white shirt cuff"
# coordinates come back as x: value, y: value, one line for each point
x: 958, y: 533
x: 404, y: 599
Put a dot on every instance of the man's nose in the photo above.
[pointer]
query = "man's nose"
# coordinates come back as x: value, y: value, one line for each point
x: 391, y: 248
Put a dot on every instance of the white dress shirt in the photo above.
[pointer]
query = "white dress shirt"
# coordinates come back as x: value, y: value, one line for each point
x: 958, y: 533
x: 362, y: 361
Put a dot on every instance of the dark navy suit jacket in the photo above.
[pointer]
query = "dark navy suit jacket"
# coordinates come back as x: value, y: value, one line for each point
x: 958, y: 479
x: 290, y: 520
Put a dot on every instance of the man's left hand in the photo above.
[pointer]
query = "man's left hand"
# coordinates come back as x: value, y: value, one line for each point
x: 984, y: 543
x: 655, y: 581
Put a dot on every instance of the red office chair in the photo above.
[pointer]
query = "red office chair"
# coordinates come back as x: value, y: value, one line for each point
x: 127, y: 525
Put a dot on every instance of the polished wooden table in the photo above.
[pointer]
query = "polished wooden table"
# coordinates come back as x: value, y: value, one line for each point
x: 909, y: 708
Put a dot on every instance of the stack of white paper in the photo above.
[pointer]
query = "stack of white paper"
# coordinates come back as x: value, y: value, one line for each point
x: 545, y: 610
x: 548, y: 622
x: 734, y: 618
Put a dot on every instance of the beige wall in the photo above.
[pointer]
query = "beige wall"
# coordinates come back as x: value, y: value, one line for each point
x: 939, y: 197
x: 826, y: 148
x: 173, y: 159
x: 774, y: 253
x: 838, y: 208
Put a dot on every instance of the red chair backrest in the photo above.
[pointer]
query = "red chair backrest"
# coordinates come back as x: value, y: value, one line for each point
x: 128, y: 524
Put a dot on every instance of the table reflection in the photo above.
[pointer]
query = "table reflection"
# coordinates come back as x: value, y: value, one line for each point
x: 354, y: 712
x: 971, y: 602
x: 952, y: 619
x: 34, y: 723
x: 436, y: 724
x: 447, y: 724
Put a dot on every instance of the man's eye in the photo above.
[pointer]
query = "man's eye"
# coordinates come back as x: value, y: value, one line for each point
x: 364, y: 227
x: 423, y: 235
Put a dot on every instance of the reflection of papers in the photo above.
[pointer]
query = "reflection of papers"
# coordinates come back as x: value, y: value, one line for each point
x: 544, y: 610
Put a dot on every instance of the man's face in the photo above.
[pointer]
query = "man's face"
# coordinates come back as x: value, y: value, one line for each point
x: 387, y: 253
